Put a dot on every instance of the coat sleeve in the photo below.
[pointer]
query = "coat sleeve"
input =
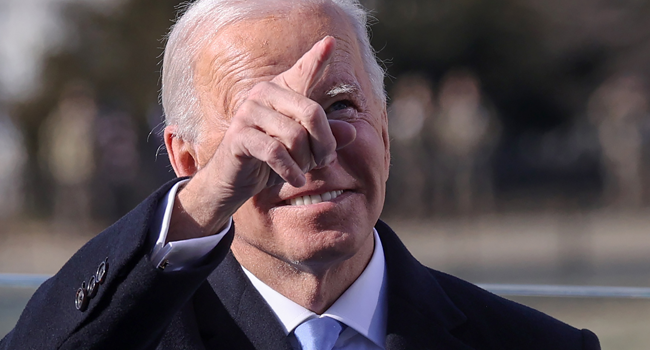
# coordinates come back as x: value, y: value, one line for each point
x: 590, y: 340
x: 133, y: 305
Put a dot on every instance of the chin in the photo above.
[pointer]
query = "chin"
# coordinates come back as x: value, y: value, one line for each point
x: 325, y: 246
x: 311, y: 236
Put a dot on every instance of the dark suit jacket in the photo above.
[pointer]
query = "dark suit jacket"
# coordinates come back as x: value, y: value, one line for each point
x: 214, y: 305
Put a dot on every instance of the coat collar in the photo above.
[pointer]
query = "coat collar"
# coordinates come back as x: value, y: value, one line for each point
x: 420, y: 314
x: 253, y: 316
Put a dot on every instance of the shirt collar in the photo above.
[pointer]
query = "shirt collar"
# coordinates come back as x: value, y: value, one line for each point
x: 361, y: 307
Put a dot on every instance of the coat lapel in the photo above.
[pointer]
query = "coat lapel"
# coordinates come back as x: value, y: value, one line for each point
x: 233, y: 315
x: 420, y: 314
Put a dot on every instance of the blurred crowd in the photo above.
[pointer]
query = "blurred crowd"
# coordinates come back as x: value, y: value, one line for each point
x: 444, y: 139
x: 89, y: 159
x: 494, y: 106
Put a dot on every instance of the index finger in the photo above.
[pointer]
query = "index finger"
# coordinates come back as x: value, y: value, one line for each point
x: 307, y: 71
x: 301, y: 78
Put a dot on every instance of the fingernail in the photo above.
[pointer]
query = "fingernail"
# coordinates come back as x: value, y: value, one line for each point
x: 312, y: 164
x: 327, y: 161
x: 301, y: 180
x: 323, y: 39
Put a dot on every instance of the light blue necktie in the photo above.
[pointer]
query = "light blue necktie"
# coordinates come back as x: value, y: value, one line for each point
x: 318, y: 333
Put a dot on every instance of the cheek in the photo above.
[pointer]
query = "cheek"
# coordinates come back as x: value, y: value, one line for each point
x: 366, y: 157
x: 250, y: 222
x: 254, y: 212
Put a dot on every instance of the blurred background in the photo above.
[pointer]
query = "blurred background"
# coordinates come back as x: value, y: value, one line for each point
x: 520, y: 136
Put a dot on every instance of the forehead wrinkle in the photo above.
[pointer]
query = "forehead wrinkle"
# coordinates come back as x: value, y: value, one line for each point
x: 218, y: 80
x: 246, y: 83
x: 343, y: 42
x: 232, y: 74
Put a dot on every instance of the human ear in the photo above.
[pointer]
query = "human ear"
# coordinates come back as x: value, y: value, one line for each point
x: 181, y: 153
x: 386, y: 139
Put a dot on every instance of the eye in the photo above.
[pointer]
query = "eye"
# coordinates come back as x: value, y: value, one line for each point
x: 339, y: 105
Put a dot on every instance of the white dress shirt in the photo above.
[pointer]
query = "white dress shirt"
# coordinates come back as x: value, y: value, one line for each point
x: 177, y: 255
x: 362, y: 307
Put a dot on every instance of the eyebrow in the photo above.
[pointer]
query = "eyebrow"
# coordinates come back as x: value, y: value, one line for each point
x: 341, y: 89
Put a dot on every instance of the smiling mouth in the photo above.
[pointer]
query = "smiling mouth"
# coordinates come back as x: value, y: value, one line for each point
x: 314, y: 198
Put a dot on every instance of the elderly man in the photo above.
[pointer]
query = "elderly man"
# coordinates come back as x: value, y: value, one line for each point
x: 277, y: 116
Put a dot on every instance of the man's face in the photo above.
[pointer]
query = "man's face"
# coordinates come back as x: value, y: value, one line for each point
x: 254, y: 51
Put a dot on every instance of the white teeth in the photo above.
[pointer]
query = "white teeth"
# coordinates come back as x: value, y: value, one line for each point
x: 315, y: 198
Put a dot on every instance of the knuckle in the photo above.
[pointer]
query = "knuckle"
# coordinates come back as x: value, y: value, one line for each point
x: 238, y: 138
x: 311, y: 109
x: 312, y: 112
x: 274, y: 150
x: 297, y: 137
x: 245, y: 109
x: 235, y: 130
x: 261, y: 91
x: 247, y: 113
x: 257, y: 90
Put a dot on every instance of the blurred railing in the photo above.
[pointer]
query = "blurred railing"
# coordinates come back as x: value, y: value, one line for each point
x: 543, y: 290
x: 539, y: 290
x: 22, y: 280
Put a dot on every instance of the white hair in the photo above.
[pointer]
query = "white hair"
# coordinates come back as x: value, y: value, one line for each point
x: 198, y: 25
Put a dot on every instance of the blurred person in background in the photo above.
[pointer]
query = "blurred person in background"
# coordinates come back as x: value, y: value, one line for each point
x: 465, y: 134
x: 411, y: 107
x: 118, y: 161
x: 12, y: 162
x: 619, y: 109
x: 67, y: 151
x: 270, y: 238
